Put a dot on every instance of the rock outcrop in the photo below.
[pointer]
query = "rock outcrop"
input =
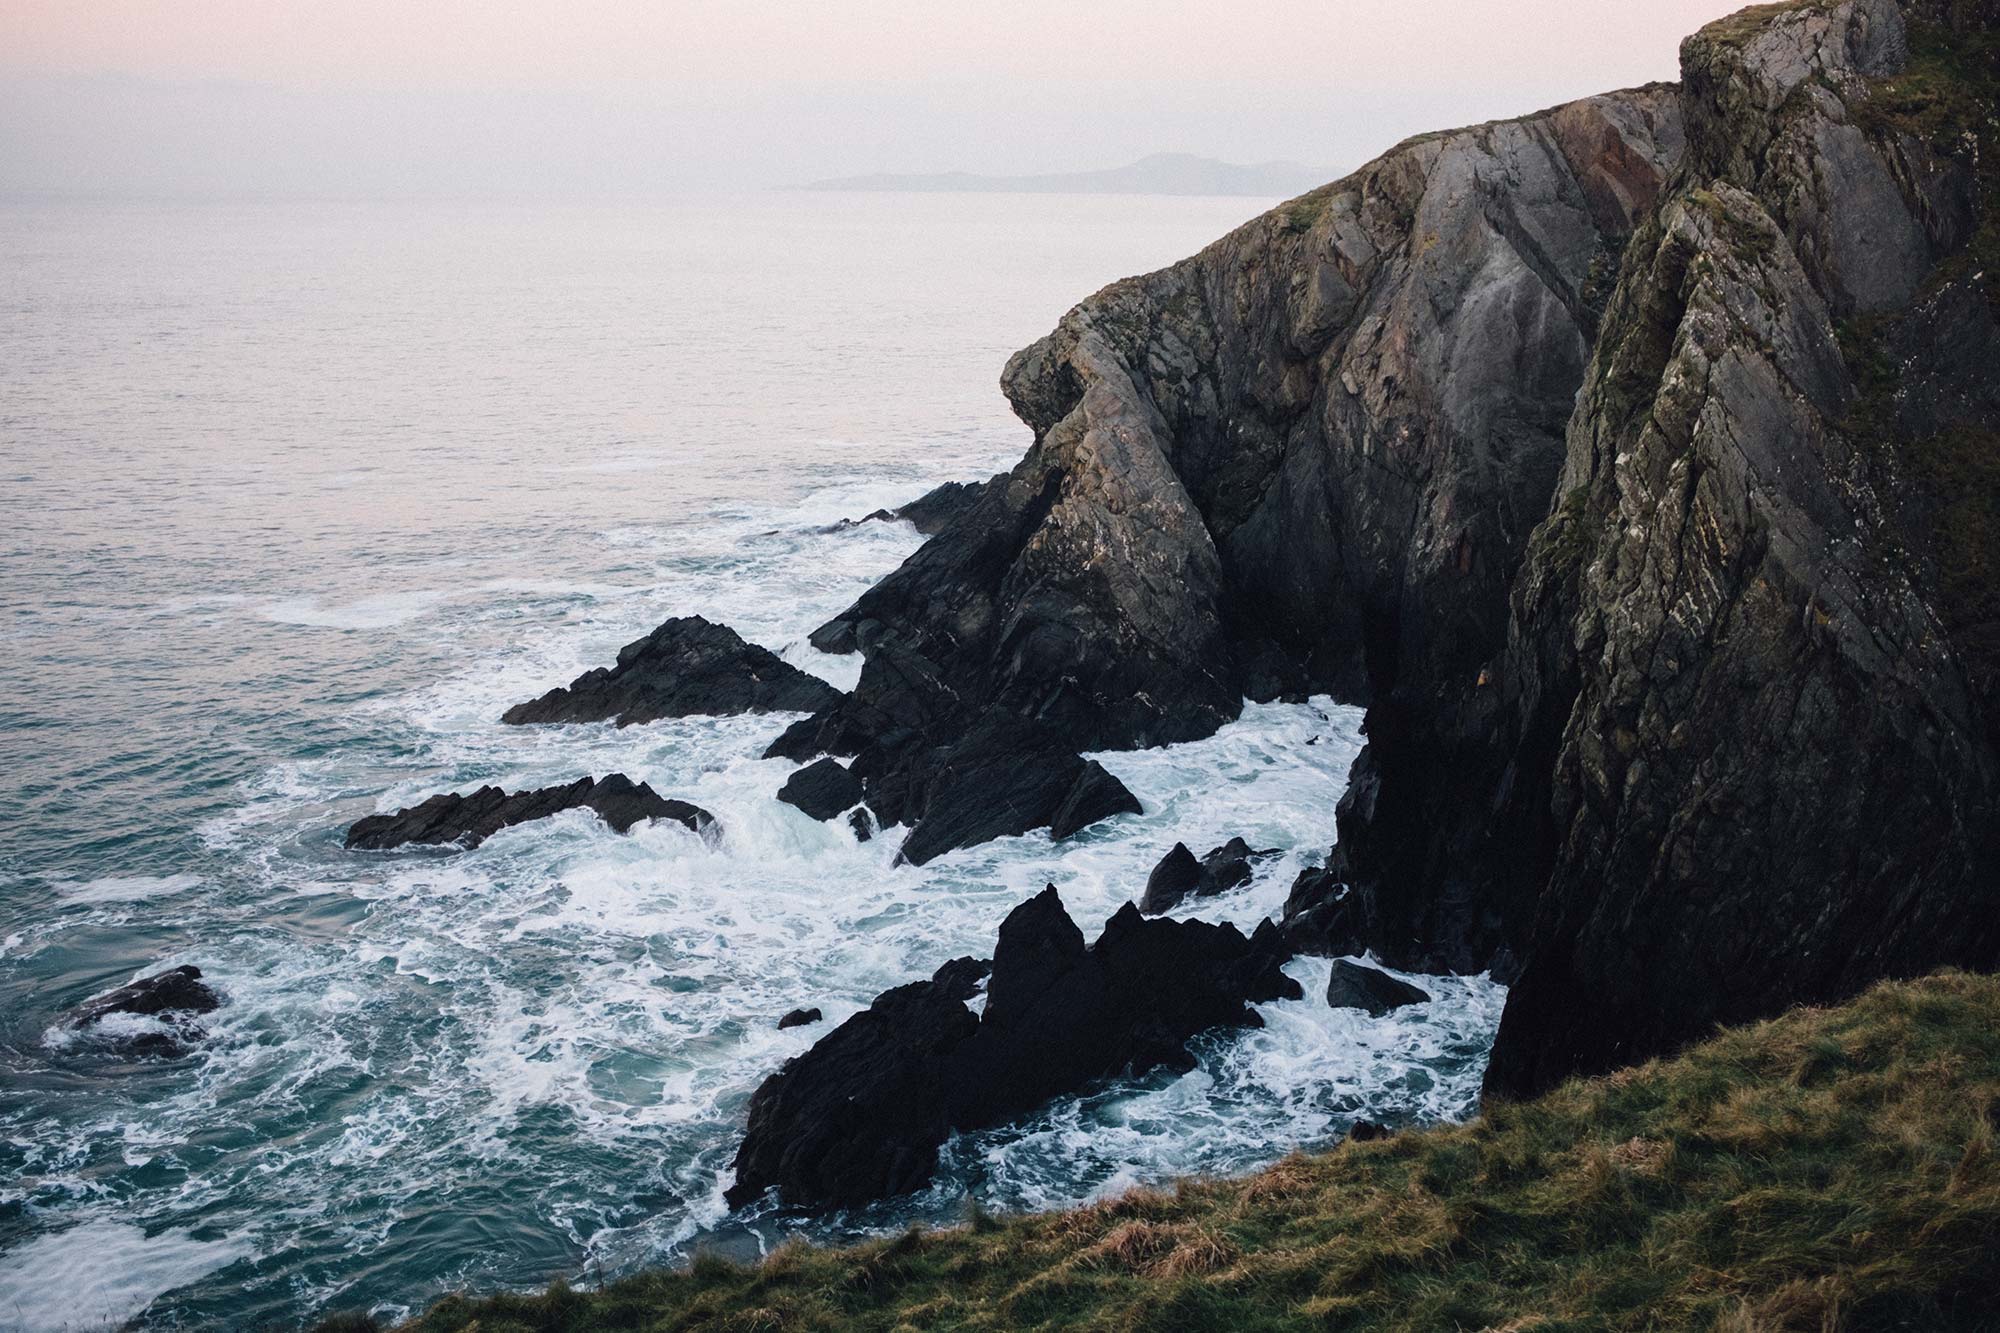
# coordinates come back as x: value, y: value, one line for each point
x: 929, y: 512
x: 467, y: 821
x: 687, y: 667
x: 822, y: 789
x: 861, y: 1115
x: 172, y: 997
x: 1253, y: 470
x: 1179, y: 875
x: 1635, y: 463
x: 955, y: 773
x: 1353, y: 986
x: 1738, y: 749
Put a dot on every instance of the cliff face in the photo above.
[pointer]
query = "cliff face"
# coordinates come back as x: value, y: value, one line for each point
x: 1636, y: 463
x: 1738, y: 751
x: 1310, y: 455
x: 1745, y: 699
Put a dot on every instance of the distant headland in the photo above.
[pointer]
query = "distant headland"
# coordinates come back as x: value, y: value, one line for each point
x: 1162, y: 173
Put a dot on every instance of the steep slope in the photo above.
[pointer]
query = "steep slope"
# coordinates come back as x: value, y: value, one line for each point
x: 1271, y: 466
x: 1739, y: 747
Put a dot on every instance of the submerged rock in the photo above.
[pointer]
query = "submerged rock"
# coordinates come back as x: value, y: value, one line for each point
x: 688, y: 666
x: 469, y: 820
x: 799, y: 1018
x: 1353, y: 986
x: 822, y: 789
x: 1179, y: 875
x: 861, y: 1115
x: 171, y: 995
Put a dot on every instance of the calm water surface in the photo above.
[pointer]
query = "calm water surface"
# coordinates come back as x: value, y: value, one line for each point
x: 294, y: 500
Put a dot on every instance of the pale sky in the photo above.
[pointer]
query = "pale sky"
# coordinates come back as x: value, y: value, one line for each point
x: 642, y: 96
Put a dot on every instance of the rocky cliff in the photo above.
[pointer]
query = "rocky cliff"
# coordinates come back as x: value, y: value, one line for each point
x: 1308, y: 457
x: 1738, y: 749
x: 1634, y: 462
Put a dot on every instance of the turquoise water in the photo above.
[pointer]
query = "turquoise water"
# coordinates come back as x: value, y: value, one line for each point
x: 296, y: 499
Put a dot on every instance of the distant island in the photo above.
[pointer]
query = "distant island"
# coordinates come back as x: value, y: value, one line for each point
x: 1162, y: 173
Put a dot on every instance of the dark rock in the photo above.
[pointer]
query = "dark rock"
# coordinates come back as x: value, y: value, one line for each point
x: 1179, y: 875
x: 861, y: 1115
x: 171, y: 995
x: 962, y: 978
x: 1367, y: 1131
x: 822, y: 789
x: 469, y: 820
x: 799, y: 1018
x: 1172, y: 879
x: 1094, y: 795
x: 1230, y: 866
x: 687, y: 667
x: 1731, y: 656
x: 935, y: 509
x: 1353, y: 986
x: 862, y: 823
x: 928, y: 513
x: 955, y: 776
x: 1205, y: 512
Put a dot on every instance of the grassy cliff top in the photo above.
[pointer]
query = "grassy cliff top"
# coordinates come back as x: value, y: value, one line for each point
x: 1830, y: 1169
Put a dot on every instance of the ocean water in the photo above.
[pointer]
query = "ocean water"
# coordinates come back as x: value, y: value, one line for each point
x: 294, y: 500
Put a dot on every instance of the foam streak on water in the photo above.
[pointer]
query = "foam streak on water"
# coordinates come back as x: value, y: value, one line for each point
x: 436, y: 1071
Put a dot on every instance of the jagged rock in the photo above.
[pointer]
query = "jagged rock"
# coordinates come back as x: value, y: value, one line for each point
x: 862, y: 823
x: 822, y: 789
x: 1353, y: 986
x: 1206, y: 511
x: 935, y: 508
x: 469, y: 820
x: 799, y: 1018
x: 687, y: 667
x: 1172, y: 879
x: 1179, y: 875
x: 170, y: 995
x: 956, y: 777
x: 861, y: 1115
x: 1666, y: 579
x: 1735, y: 652
x: 1095, y: 794
x: 928, y: 513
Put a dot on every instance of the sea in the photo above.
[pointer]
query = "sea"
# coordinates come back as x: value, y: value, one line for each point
x: 295, y: 498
